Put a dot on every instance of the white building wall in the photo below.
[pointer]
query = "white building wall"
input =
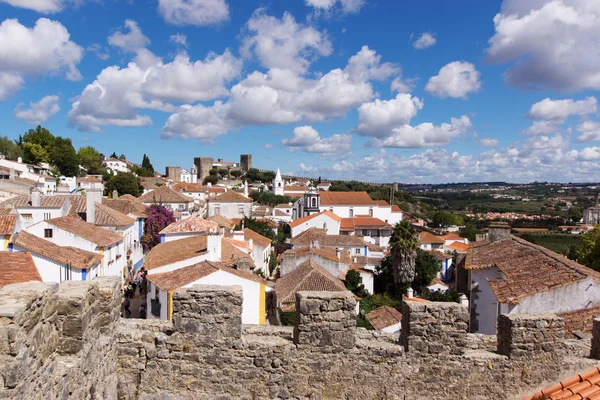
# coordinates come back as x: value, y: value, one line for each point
x: 179, y: 264
x: 483, y: 300
x: 368, y: 281
x: 250, y: 289
x: 393, y: 328
x: 229, y: 210
x: 333, y: 226
x: 582, y: 294
x: 170, y: 237
x: 344, y: 211
x: 163, y: 299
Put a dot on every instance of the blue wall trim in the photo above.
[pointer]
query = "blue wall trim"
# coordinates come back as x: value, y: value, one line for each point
x: 83, y: 274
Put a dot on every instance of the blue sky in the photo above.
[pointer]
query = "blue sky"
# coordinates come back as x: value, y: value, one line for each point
x: 428, y: 91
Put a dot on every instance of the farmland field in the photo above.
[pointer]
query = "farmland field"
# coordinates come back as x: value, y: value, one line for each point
x: 559, y: 243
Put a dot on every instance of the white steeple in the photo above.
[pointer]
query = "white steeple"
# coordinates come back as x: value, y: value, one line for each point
x: 278, y: 184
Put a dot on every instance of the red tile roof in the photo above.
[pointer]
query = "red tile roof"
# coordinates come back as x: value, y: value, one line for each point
x: 192, y: 224
x: 382, y: 203
x: 222, y: 221
x: 257, y: 238
x: 426, y: 237
x: 163, y: 194
x: 24, y: 201
x: 452, y: 236
x: 302, y: 220
x: 441, y: 256
x: 172, y: 280
x: 7, y: 224
x: 383, y: 317
x: 90, y: 232
x: 174, y: 251
x: 127, y: 205
x: 458, y: 246
x: 319, y: 235
x: 363, y: 222
x: 529, y: 269
x: 583, y: 386
x: 107, y: 216
x: 346, y: 198
x: 231, y: 196
x: 78, y: 258
x: 307, y: 276
x: 17, y: 267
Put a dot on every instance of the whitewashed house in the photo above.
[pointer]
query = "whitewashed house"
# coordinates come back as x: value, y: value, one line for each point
x: 193, y: 226
x: 169, y: 198
x: 162, y: 285
x: 230, y: 205
x: 370, y: 229
x: 325, y: 220
x: 17, y: 268
x: 8, y: 226
x: 115, y: 165
x: 90, y: 182
x: 58, y: 263
x: 385, y: 319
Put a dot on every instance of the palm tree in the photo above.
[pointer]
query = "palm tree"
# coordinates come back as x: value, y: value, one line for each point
x: 404, y: 244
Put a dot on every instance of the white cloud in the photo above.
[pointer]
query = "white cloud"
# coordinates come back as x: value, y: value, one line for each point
x: 268, y: 146
x: 590, y: 131
x: 179, y: 39
x: 427, y: 39
x: 489, y: 142
x: 147, y: 83
x: 28, y: 52
x: 193, y: 12
x: 283, y: 43
x: 40, y: 111
x: 589, y: 154
x: 282, y: 96
x: 380, y: 117
x: 306, y: 138
x: 132, y: 41
x: 402, y: 86
x: 424, y: 135
x: 101, y: 53
x: 10, y: 83
x: 560, y: 110
x: 543, y: 127
x: 41, y: 6
x: 186, y: 123
x: 456, y: 79
x: 346, y: 6
x: 550, y: 44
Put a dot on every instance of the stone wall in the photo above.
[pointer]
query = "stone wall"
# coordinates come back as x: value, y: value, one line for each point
x: 59, y: 342
x: 69, y: 343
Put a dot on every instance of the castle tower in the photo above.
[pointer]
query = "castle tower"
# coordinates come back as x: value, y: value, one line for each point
x: 278, y: 184
x: 312, y: 201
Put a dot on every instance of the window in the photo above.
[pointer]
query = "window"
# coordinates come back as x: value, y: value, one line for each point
x: 66, y: 273
x: 217, y: 210
x: 48, y: 233
x: 365, y: 232
x: 181, y: 207
x: 47, y: 216
x: 357, y: 251
x: 370, y: 212
x: 241, y: 210
x: 351, y: 212
x: 314, y: 202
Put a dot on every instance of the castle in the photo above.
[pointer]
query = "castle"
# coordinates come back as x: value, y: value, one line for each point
x: 67, y: 341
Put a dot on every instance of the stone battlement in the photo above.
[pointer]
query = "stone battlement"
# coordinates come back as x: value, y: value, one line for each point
x: 67, y: 341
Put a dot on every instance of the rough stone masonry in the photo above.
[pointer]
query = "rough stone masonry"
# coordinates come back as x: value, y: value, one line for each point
x: 67, y: 342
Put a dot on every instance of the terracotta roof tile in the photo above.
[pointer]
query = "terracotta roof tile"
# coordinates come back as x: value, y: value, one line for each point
x: 307, y: 276
x: 383, y: 317
x: 382, y: 203
x: 583, y: 386
x: 364, y: 222
x: 346, y: 198
x: 127, y: 205
x: 78, y: 258
x: 302, y: 220
x: 325, y: 252
x: 107, y: 216
x: 458, y: 246
x: 7, y: 224
x: 163, y: 194
x: 257, y: 238
x: 24, y: 201
x: 528, y: 268
x: 90, y: 232
x: 395, y: 208
x: 174, y: 251
x: 452, y: 236
x: 579, y: 320
x: 222, y: 221
x: 91, y: 179
x: 315, y: 234
x: 17, y: 267
x: 426, y: 237
x: 231, y: 196
x: 192, y: 224
x: 441, y: 256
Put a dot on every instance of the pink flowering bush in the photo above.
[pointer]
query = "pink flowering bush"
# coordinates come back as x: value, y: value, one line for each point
x: 159, y: 217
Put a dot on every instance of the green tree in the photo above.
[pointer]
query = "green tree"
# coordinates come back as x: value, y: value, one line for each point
x: 124, y: 183
x: 236, y: 173
x: 10, y: 149
x: 122, y: 157
x: 223, y: 172
x: 588, y: 251
x: 426, y: 268
x: 270, y: 199
x: 38, y: 144
x: 443, y: 219
x: 147, y: 165
x: 213, y: 172
x: 212, y: 179
x: 91, y: 160
x: 403, y: 244
x: 469, y: 231
x: 353, y: 282
x: 113, y: 155
x: 262, y: 228
x: 575, y: 214
x: 64, y: 157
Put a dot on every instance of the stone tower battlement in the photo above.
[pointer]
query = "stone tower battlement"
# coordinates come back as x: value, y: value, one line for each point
x: 67, y: 341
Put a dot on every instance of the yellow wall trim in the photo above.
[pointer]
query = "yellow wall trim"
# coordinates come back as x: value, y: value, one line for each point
x: 170, y: 304
x: 262, y: 315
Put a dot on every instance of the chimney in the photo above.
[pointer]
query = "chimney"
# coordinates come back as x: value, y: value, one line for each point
x: 35, y: 197
x: 115, y: 194
x: 12, y: 173
x: 288, y: 264
x: 498, y: 231
x: 410, y: 293
x: 246, y: 188
x: 19, y: 160
x: 93, y: 196
x: 213, y: 244
x: 463, y: 301
x: 251, y: 244
x: 243, y: 264
x: 338, y: 253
